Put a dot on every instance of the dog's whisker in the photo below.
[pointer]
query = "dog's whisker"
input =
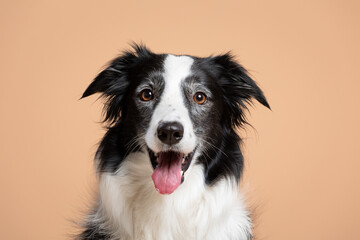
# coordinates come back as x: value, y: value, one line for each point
x: 134, y: 143
x: 214, y: 147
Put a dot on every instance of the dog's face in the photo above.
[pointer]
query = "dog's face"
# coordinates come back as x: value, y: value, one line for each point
x: 174, y: 107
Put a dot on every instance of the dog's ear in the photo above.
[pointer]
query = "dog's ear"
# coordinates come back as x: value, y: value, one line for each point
x: 238, y: 88
x: 114, y: 78
x: 113, y: 82
x: 109, y: 81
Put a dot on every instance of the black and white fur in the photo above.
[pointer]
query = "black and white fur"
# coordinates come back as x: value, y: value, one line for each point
x: 207, y: 204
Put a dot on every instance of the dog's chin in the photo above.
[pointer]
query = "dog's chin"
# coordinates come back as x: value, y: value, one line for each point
x: 169, y: 168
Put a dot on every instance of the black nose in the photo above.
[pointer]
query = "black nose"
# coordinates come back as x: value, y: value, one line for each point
x: 170, y: 132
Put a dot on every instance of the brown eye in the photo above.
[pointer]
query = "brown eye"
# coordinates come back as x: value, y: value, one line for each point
x: 199, y: 97
x: 146, y: 95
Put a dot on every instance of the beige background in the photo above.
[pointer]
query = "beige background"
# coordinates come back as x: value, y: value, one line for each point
x: 303, y: 160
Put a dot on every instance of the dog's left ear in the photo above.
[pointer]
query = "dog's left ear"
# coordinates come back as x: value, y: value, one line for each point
x: 238, y: 87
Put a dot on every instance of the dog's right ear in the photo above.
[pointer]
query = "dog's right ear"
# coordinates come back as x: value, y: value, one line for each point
x: 106, y: 83
x: 114, y: 81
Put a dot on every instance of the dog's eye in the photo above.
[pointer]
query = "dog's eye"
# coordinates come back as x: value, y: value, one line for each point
x: 199, y: 97
x: 146, y: 95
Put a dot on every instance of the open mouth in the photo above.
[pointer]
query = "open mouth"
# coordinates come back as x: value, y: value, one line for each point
x: 169, y: 168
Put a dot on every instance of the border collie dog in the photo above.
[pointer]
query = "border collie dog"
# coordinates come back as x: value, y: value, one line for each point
x: 170, y: 163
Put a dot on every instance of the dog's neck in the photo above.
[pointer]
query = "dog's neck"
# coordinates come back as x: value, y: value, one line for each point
x: 131, y: 207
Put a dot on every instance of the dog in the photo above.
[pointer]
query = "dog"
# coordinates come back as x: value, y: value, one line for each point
x: 170, y: 163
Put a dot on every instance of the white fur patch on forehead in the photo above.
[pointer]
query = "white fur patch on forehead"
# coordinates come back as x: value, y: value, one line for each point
x: 171, y: 107
x: 177, y: 67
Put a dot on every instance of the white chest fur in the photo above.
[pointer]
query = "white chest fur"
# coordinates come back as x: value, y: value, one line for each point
x: 133, y: 210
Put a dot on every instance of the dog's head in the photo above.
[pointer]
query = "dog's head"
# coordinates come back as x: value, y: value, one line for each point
x: 177, y: 108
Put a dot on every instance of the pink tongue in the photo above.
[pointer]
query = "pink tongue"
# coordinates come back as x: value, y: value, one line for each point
x: 167, y: 176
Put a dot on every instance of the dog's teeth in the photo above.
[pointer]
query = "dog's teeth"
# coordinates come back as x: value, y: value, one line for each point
x: 182, y: 172
x: 183, y: 160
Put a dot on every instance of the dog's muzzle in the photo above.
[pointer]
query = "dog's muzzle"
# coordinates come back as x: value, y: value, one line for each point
x: 171, y: 164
